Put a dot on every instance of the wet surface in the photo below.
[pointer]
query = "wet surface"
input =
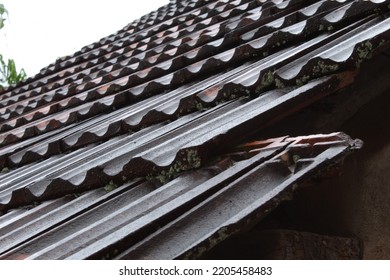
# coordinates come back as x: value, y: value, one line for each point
x: 168, y: 94
x: 243, y: 186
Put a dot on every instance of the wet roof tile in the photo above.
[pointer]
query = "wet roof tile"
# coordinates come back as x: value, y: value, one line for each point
x: 97, y: 216
x: 167, y: 94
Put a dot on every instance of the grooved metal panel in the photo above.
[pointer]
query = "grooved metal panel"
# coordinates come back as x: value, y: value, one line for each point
x: 244, y: 184
x: 168, y: 95
x: 155, y: 148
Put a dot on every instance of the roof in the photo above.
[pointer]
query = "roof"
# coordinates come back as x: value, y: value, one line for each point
x: 234, y: 191
x: 135, y: 137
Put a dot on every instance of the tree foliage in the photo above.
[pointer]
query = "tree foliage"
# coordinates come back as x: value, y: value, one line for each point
x: 8, y: 73
x: 3, y: 13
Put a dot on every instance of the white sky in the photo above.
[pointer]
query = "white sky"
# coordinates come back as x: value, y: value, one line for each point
x: 37, y: 32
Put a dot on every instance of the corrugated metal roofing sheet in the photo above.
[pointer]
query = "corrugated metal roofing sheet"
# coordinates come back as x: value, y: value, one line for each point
x: 217, y: 200
x: 167, y: 94
x: 181, y: 144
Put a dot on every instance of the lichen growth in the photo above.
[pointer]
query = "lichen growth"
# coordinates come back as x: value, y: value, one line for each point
x: 296, y: 158
x: 32, y: 205
x: 193, y: 159
x: 189, y: 160
x: 322, y: 68
x: 279, y: 83
x: 221, y: 235
x: 229, y: 95
x: 5, y: 170
x: 300, y: 82
x: 199, y: 106
x: 382, y: 42
x: 267, y: 79
x: 365, y: 50
x: 76, y: 195
x: 110, y: 186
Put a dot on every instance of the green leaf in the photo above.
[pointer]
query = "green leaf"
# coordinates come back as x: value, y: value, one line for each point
x: 8, y: 72
x: 3, y: 10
